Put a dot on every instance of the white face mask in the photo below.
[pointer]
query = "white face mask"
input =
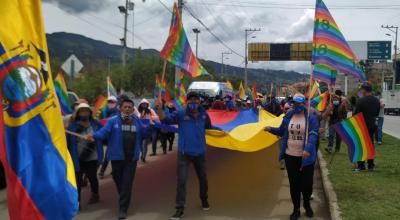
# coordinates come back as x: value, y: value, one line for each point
x: 336, y: 102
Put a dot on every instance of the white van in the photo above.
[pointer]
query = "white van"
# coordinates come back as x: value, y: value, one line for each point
x: 210, y: 89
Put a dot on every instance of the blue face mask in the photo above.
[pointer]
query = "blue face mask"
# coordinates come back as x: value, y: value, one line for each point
x: 193, y: 106
x: 298, y: 108
x: 84, y: 118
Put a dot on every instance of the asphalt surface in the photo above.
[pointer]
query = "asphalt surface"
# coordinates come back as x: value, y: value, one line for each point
x: 241, y: 186
x: 391, y: 125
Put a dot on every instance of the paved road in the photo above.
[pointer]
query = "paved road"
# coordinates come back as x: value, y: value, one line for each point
x: 391, y: 125
x: 242, y: 186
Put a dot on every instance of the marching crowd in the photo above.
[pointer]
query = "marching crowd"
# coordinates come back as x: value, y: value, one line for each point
x: 127, y: 130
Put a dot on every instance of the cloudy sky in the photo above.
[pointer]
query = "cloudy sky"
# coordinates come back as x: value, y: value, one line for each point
x: 279, y: 20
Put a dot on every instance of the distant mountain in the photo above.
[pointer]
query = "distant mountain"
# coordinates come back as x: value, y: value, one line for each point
x: 88, y: 50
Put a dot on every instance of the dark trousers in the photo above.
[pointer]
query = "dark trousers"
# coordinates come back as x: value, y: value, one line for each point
x: 332, y: 136
x: 199, y: 163
x: 123, y: 173
x: 89, y: 168
x: 163, y: 140
x: 154, y: 139
x: 145, y: 144
x: 371, y: 164
x: 104, y: 165
x: 170, y: 138
x: 300, y: 180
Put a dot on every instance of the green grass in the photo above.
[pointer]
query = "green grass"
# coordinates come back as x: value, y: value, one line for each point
x: 367, y: 195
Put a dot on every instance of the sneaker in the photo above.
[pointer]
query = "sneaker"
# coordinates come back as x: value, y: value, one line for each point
x: 371, y: 168
x: 379, y: 143
x: 153, y: 154
x: 309, y: 211
x: 143, y: 160
x: 95, y: 198
x: 122, y: 215
x: 295, y: 215
x: 205, y: 205
x: 178, y: 215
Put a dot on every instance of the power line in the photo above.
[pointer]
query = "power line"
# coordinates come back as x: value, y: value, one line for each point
x: 209, y: 31
x: 297, y: 7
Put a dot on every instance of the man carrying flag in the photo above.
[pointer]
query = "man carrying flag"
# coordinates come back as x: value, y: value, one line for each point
x: 192, y: 121
x: 124, y: 133
x: 369, y: 106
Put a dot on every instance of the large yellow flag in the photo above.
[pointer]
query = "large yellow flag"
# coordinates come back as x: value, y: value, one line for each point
x: 39, y: 169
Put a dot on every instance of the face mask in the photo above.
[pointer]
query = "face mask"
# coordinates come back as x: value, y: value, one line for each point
x: 336, y: 102
x: 193, y: 106
x: 111, y: 105
x: 298, y: 108
x: 125, y: 117
x: 84, y: 118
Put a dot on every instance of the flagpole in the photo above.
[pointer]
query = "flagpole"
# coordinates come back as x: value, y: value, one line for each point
x: 163, y: 76
x: 108, y: 86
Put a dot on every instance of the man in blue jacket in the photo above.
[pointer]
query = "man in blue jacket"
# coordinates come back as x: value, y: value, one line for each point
x: 193, y: 122
x: 124, y: 134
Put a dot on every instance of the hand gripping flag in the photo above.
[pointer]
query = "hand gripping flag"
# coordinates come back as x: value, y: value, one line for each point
x: 40, y: 173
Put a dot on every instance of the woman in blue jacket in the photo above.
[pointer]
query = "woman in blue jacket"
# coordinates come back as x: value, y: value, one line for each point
x: 86, y: 155
x: 299, y: 152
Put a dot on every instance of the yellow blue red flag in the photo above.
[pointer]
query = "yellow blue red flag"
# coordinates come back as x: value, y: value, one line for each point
x: 33, y: 149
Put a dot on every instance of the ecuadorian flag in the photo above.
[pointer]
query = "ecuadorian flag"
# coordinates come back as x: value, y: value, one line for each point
x: 33, y: 149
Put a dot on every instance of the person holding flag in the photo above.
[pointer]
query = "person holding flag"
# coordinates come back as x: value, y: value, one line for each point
x: 192, y: 121
x: 86, y: 155
x: 369, y: 106
x: 124, y: 133
x: 299, y: 132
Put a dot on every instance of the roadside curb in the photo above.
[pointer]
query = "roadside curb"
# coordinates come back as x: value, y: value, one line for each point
x: 330, y: 193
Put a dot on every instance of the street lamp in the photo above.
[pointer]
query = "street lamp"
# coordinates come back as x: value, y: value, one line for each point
x: 395, y: 30
x: 248, y: 32
x: 197, y: 32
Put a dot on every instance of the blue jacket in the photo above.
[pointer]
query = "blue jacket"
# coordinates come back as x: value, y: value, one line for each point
x: 73, y: 147
x: 192, y: 131
x: 112, y: 132
x: 310, y: 147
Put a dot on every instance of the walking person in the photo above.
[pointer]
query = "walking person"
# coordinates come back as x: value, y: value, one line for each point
x: 87, y: 156
x: 192, y: 121
x: 110, y: 111
x: 369, y: 106
x: 124, y: 133
x: 380, y: 119
x: 147, y: 113
x: 338, y: 113
x: 299, y: 152
x: 170, y: 135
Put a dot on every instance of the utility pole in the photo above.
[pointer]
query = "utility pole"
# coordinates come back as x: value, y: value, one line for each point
x: 248, y: 32
x: 197, y: 32
x: 395, y: 30
x: 222, y: 61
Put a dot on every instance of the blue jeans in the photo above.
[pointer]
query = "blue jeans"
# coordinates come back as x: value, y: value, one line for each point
x: 332, y: 135
x: 378, y: 136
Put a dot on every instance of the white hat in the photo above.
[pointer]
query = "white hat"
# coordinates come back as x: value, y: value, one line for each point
x: 83, y: 105
x: 112, y: 98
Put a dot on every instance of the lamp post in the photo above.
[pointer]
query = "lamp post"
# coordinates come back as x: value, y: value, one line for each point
x: 197, y: 32
x: 395, y: 30
x: 248, y: 32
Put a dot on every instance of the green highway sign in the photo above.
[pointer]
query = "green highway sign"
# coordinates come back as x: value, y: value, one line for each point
x: 379, y: 50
